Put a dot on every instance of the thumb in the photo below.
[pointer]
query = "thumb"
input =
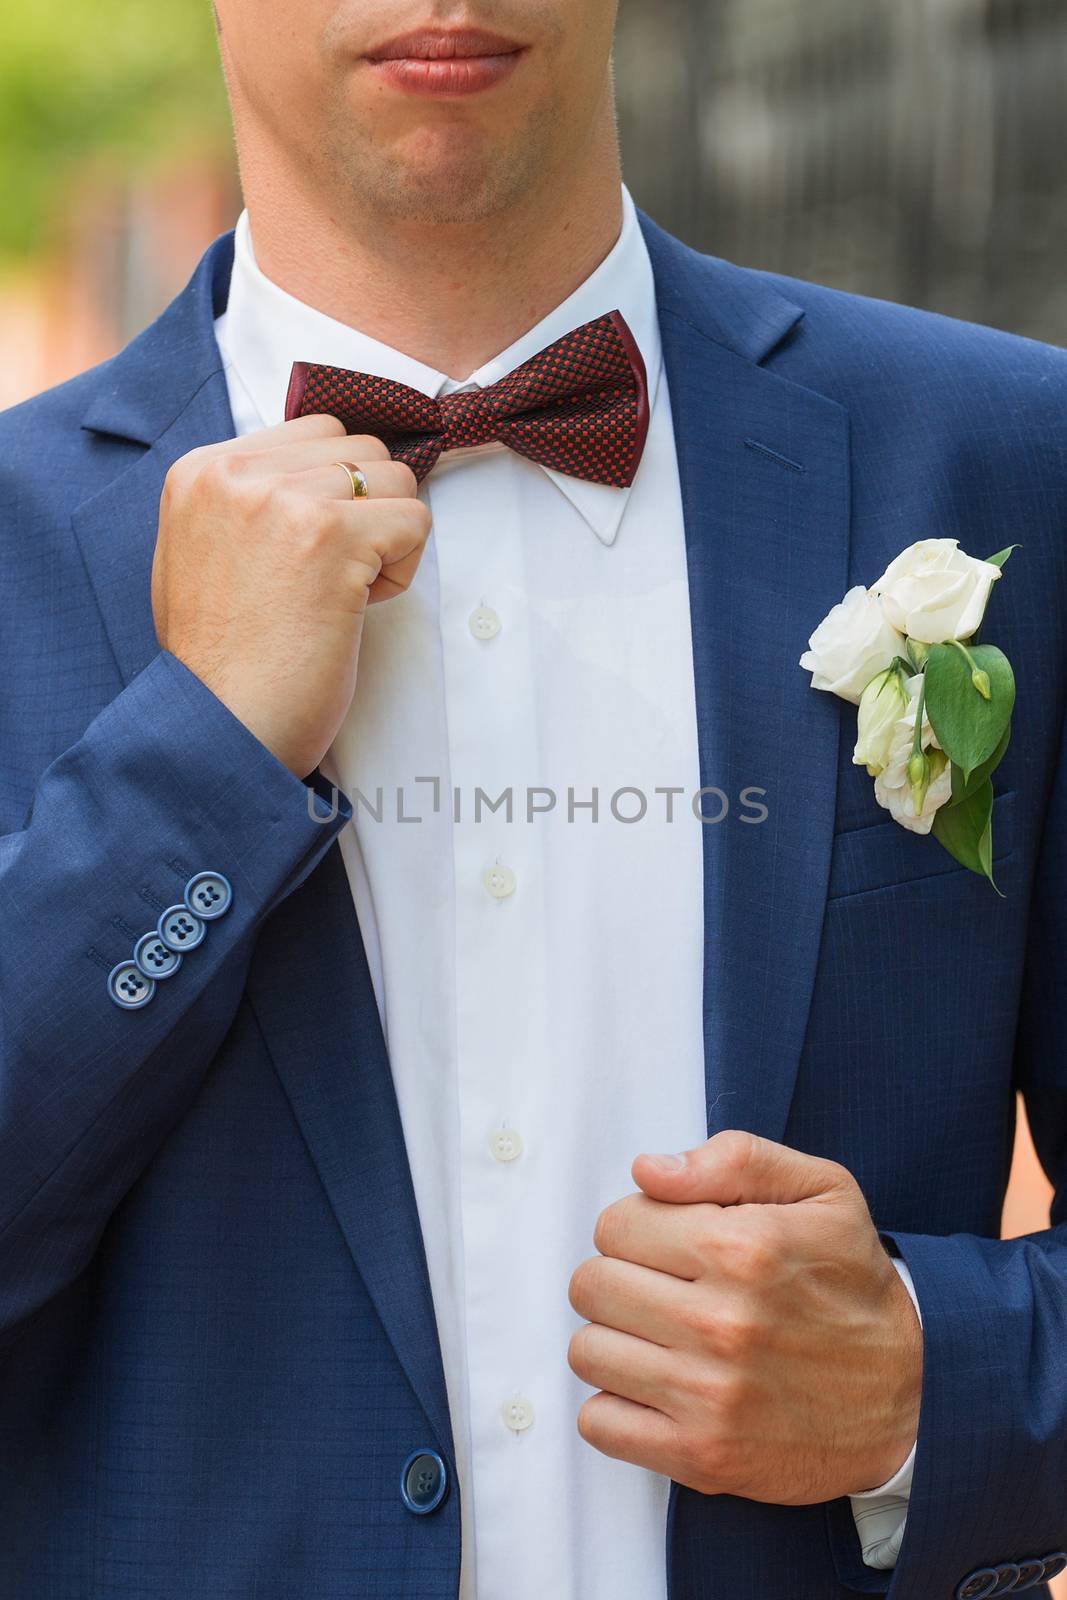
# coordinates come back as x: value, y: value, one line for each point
x: 736, y: 1168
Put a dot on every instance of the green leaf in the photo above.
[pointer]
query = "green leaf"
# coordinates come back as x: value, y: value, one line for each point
x: 963, y: 788
x: 966, y: 831
x: 968, y: 727
x: 1001, y: 557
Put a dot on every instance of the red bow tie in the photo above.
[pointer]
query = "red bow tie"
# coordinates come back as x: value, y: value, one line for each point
x: 580, y: 405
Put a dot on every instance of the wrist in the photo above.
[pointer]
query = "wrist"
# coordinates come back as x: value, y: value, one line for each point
x: 901, y: 1373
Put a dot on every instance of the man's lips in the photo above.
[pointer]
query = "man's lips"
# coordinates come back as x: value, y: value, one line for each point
x: 442, y: 45
x: 441, y: 63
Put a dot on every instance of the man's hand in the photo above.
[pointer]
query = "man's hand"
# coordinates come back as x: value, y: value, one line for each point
x: 264, y: 567
x: 748, y: 1331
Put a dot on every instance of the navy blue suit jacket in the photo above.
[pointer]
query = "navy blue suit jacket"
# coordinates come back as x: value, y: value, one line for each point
x: 217, y: 1342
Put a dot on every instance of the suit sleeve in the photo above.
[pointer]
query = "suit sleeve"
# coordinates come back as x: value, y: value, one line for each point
x: 165, y: 783
x: 990, y: 1479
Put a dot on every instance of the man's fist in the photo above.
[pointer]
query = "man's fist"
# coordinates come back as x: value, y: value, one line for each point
x: 747, y: 1330
x: 265, y: 564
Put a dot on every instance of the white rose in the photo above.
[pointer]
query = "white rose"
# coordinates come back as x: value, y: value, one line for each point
x: 851, y: 645
x: 882, y: 704
x: 891, y: 787
x: 934, y: 591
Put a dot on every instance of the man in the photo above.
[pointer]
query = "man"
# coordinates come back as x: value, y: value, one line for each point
x: 323, y: 1271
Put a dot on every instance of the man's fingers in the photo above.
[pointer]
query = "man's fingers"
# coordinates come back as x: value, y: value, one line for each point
x: 654, y: 1233
x: 629, y: 1432
x: 386, y: 480
x: 395, y: 578
x: 738, y: 1168
x: 628, y: 1366
x: 638, y: 1300
x: 300, y: 455
x: 299, y: 431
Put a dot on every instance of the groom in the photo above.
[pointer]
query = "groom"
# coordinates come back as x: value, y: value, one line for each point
x: 375, y: 906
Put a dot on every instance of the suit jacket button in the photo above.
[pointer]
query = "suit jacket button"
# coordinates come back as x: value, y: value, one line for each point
x: 128, y: 986
x: 180, y: 930
x: 1007, y: 1578
x: 978, y: 1585
x: 155, y: 959
x: 209, y: 895
x: 1054, y: 1564
x: 1031, y: 1572
x: 423, y: 1481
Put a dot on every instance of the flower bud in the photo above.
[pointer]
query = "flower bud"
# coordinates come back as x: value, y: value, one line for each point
x: 919, y: 779
x: 980, y: 680
x: 882, y: 703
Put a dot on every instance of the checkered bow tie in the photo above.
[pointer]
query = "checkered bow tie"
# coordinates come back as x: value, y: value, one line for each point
x: 580, y: 405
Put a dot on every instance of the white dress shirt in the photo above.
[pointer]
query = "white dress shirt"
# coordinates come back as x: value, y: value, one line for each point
x: 538, y: 973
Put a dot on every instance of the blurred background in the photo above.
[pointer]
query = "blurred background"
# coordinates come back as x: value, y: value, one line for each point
x: 910, y: 149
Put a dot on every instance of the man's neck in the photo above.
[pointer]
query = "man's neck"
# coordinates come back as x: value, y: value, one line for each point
x: 452, y: 296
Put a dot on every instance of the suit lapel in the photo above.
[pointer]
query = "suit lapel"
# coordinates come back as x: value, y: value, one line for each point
x: 168, y: 392
x: 764, y: 467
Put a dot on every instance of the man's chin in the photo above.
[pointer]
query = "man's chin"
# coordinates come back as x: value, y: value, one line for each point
x: 462, y: 193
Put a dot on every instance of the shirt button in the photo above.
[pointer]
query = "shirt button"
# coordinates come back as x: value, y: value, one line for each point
x: 505, y: 1144
x: 500, y: 881
x: 517, y: 1414
x: 484, y: 623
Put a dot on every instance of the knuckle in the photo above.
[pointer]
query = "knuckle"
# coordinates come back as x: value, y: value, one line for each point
x: 370, y: 446
x: 405, y: 477
x: 693, y: 1315
x: 584, y: 1285
x: 580, y: 1351
x: 748, y: 1254
x: 423, y: 518
x: 731, y: 1334
x: 607, y: 1231
x: 319, y: 425
x: 735, y: 1148
x: 587, y: 1425
x: 760, y: 1257
x: 219, y: 475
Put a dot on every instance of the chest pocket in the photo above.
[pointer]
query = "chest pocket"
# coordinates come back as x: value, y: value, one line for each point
x: 885, y: 855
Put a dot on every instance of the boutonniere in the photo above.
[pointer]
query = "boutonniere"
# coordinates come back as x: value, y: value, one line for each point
x: 934, y: 705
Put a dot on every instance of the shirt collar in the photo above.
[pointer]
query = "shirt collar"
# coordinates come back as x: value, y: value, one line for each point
x: 267, y: 329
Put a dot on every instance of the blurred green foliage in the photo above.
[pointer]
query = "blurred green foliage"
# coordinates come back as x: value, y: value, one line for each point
x: 104, y: 77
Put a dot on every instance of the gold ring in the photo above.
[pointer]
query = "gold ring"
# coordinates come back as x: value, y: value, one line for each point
x: 360, y: 491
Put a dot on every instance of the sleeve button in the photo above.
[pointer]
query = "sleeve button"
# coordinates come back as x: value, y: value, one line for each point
x: 180, y: 930
x: 208, y: 895
x: 977, y: 1585
x: 154, y: 958
x: 128, y: 986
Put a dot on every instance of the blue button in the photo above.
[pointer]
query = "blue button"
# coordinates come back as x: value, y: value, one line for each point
x: 1054, y: 1564
x: 180, y: 930
x: 208, y: 894
x: 1031, y: 1573
x: 1007, y: 1577
x: 423, y: 1481
x: 977, y: 1585
x: 155, y: 959
x: 128, y: 986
